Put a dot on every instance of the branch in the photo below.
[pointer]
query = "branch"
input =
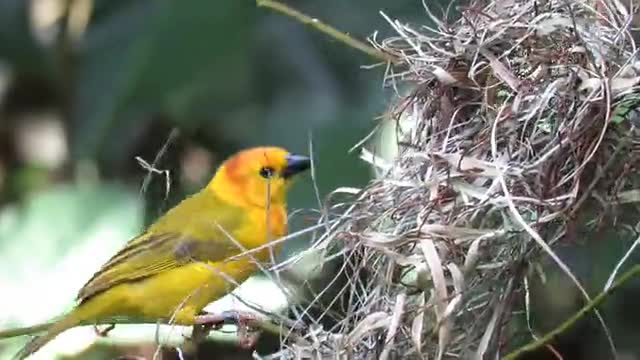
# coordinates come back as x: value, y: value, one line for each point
x: 265, y: 325
x: 326, y: 29
x: 577, y: 316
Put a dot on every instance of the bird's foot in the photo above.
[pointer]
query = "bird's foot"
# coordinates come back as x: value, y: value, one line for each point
x: 103, y: 332
x: 247, y: 333
x: 248, y: 336
x: 240, y: 318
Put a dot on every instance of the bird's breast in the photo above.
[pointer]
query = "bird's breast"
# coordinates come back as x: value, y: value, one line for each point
x: 263, y: 228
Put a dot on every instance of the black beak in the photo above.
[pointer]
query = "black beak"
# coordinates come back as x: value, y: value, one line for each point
x: 295, y: 164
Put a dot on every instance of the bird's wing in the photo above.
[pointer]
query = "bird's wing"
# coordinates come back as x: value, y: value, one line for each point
x: 159, y: 250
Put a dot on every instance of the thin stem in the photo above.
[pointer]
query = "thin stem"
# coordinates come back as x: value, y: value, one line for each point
x: 326, y: 29
x: 634, y: 271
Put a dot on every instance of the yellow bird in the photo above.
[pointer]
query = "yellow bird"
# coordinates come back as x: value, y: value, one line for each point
x: 195, y: 253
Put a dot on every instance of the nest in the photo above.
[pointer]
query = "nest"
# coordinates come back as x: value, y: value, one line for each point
x: 517, y: 129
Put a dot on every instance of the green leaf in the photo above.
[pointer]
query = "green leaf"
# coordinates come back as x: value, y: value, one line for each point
x: 157, y: 55
x: 627, y: 108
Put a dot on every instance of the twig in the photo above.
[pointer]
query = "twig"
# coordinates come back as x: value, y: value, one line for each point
x: 620, y: 263
x: 152, y: 168
x: 634, y: 271
x: 326, y: 29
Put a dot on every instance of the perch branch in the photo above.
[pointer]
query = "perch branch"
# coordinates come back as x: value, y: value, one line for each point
x: 265, y: 325
x: 326, y: 29
x: 634, y: 271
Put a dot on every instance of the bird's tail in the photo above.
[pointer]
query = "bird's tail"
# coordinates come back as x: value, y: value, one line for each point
x: 27, y: 330
x: 86, y: 311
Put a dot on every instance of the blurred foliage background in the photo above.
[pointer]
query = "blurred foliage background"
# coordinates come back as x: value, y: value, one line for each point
x: 86, y: 86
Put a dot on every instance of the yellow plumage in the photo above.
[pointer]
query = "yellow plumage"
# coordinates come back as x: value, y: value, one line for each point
x: 193, y: 254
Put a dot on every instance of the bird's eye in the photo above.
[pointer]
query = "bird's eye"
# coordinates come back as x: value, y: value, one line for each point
x: 266, y: 172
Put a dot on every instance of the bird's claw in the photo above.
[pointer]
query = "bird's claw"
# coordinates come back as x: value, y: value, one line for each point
x: 234, y: 317
x: 247, y: 333
x: 103, y: 332
x: 240, y: 318
x: 248, y: 338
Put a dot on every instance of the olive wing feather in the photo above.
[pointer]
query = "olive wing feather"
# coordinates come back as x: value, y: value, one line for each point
x: 208, y: 238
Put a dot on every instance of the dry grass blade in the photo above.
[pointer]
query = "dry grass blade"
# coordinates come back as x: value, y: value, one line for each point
x: 440, y: 288
x: 393, y: 326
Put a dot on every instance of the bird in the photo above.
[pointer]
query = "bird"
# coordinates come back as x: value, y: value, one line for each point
x: 195, y: 253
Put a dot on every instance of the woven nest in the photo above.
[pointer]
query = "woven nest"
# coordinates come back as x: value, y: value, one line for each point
x: 517, y: 129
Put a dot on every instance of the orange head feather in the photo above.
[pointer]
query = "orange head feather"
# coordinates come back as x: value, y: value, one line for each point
x: 257, y: 175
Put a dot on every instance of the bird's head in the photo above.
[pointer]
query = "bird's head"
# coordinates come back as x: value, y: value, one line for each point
x: 257, y: 175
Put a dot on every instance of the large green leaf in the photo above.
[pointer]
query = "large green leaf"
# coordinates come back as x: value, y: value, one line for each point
x: 156, y: 55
